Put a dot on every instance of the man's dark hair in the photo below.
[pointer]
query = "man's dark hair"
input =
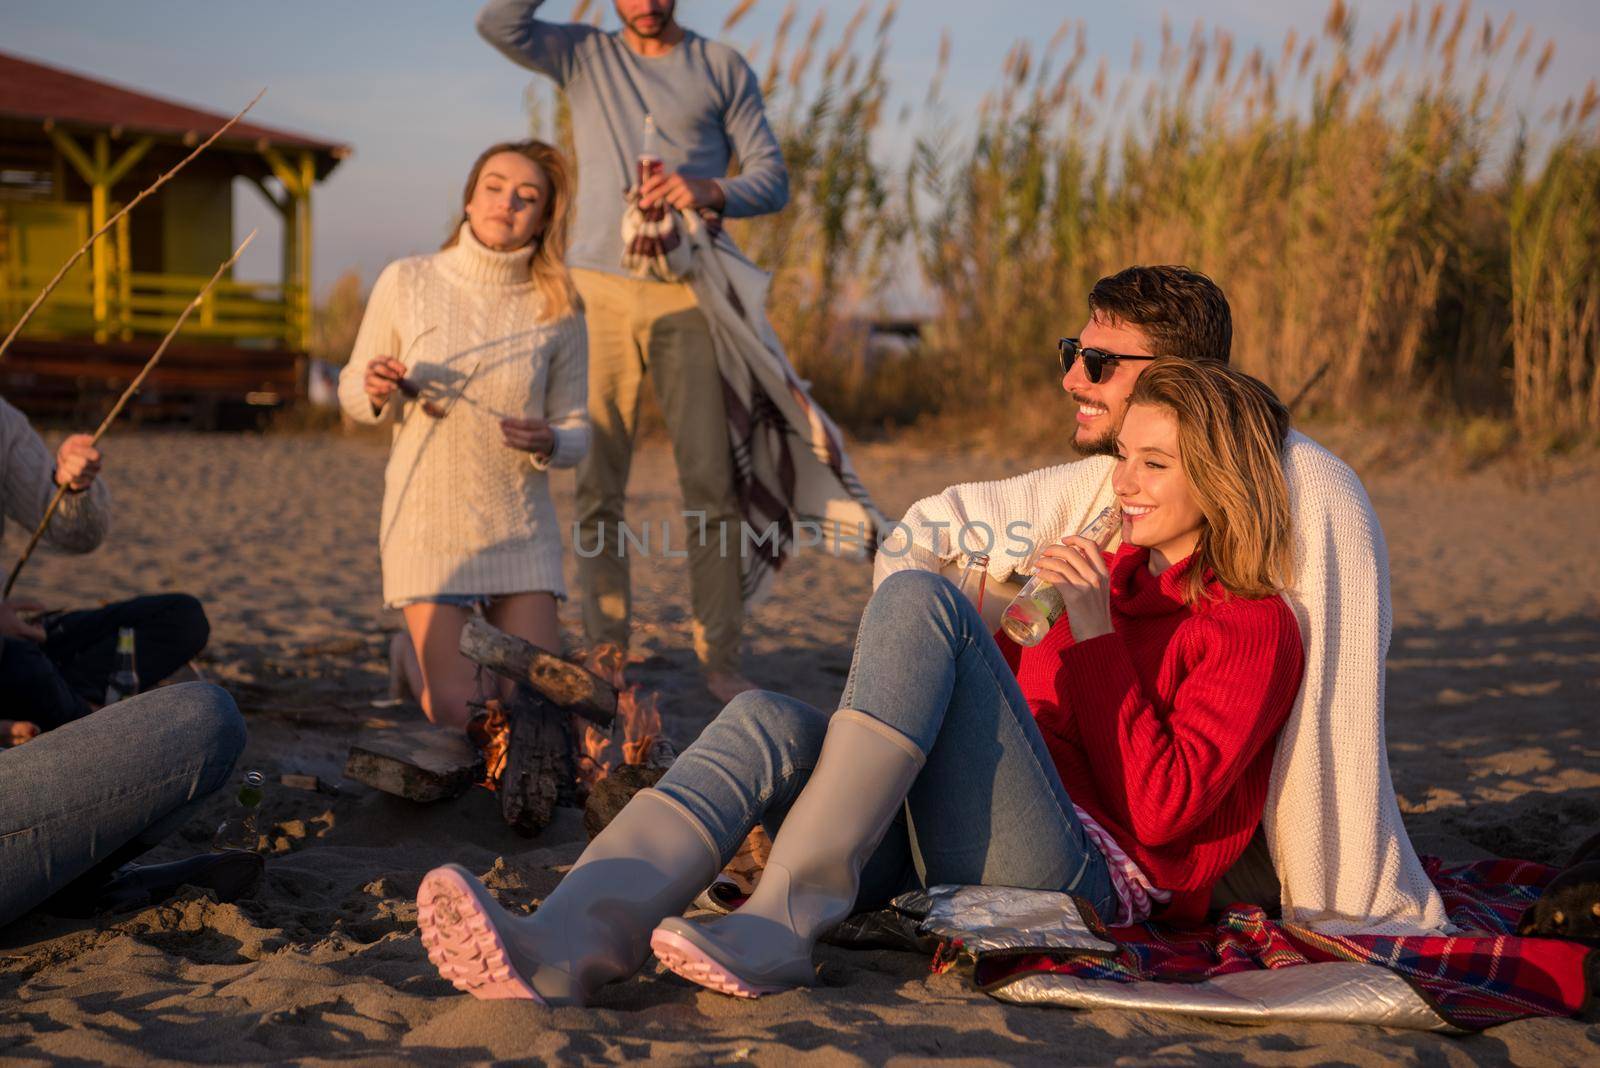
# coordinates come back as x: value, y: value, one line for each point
x: 1182, y: 312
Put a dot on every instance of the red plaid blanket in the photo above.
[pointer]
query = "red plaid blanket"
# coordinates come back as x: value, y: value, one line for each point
x: 1475, y: 980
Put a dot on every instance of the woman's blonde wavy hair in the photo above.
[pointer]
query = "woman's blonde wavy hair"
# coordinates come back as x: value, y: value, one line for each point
x: 1231, y: 432
x: 548, y: 268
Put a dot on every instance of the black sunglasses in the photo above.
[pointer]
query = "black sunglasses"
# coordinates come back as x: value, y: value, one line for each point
x: 1094, y: 361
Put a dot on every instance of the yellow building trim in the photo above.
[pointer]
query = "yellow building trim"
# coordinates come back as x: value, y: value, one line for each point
x: 101, y: 174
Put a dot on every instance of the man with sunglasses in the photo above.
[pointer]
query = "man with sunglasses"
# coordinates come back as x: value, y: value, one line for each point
x: 1332, y: 824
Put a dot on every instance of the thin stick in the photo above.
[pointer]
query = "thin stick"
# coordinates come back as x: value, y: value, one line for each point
x: 1299, y: 396
x: 78, y: 255
x: 116, y: 410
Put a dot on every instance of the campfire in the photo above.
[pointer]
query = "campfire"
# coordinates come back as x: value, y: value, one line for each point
x: 563, y: 751
x: 634, y: 737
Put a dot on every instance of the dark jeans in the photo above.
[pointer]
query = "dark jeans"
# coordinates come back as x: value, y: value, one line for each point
x: 55, y: 683
x: 103, y: 789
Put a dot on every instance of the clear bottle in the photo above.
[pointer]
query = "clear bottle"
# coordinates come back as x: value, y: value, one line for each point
x: 1038, y: 605
x: 238, y: 828
x: 124, y: 680
x: 974, y: 578
x: 650, y: 165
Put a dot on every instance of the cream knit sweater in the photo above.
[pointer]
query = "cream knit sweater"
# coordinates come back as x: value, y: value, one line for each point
x: 462, y: 512
x: 1332, y: 823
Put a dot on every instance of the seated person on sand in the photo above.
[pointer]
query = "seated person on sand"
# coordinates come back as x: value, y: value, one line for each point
x: 86, y: 796
x: 477, y: 354
x: 54, y: 668
x: 1125, y: 761
x: 1333, y: 851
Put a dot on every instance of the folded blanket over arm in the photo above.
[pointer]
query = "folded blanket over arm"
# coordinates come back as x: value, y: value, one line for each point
x: 795, y: 483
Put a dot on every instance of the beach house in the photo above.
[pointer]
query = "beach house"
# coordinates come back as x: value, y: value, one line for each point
x: 73, y: 149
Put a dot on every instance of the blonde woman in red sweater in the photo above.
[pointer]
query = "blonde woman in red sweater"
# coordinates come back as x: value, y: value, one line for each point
x: 1124, y: 759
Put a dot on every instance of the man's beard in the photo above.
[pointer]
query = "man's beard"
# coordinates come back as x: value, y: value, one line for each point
x: 1105, y: 444
x: 662, y: 22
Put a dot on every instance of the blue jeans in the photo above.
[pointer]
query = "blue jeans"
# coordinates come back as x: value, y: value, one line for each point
x: 988, y: 806
x: 114, y: 782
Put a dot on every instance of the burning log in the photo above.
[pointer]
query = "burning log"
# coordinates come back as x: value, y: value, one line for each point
x: 538, y: 763
x: 561, y: 683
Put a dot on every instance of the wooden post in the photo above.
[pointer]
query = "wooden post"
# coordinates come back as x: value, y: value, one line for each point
x: 124, y: 279
x: 308, y: 181
x: 101, y: 174
x: 297, y: 183
x: 99, y: 212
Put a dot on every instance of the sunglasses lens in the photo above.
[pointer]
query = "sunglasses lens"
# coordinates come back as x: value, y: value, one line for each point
x: 1093, y: 365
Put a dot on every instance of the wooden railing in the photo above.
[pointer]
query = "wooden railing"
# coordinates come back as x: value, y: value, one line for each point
x: 145, y: 303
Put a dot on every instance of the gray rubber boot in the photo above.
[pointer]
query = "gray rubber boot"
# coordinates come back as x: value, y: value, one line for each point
x: 811, y: 879
x: 648, y: 863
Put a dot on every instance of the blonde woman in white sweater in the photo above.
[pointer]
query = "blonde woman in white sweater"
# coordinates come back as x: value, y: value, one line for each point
x: 477, y: 355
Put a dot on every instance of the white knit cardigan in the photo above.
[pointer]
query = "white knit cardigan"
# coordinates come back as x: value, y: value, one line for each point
x: 1332, y: 823
x: 462, y: 512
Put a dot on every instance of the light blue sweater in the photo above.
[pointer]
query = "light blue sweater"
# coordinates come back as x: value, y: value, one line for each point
x: 704, y: 98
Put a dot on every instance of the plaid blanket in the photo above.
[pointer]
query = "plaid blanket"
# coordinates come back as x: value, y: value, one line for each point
x: 1476, y: 979
x: 795, y: 483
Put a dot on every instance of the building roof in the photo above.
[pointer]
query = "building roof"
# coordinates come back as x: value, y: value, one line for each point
x: 38, y: 92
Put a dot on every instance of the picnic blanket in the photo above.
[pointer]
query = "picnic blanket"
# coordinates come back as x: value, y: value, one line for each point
x: 1041, y: 948
x: 795, y: 484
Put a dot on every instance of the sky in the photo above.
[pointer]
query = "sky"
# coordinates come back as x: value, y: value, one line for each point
x: 411, y: 88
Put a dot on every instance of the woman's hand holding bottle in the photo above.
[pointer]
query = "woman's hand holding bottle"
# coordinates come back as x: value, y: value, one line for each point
x: 1079, y: 573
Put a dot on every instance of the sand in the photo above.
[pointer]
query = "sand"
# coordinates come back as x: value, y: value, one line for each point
x: 1493, y: 686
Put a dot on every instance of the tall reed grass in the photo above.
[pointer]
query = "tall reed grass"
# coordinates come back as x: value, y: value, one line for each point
x: 1387, y: 218
x: 1376, y: 204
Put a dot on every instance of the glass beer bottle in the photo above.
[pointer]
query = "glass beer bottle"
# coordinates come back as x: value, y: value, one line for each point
x: 1036, y: 608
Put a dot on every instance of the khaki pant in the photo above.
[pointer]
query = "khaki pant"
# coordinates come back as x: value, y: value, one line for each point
x: 635, y: 327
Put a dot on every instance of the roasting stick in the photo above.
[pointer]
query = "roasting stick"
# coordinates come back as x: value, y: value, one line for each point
x: 78, y: 255
x: 116, y: 410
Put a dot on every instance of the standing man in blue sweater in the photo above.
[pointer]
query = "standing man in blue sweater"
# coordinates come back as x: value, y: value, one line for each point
x: 706, y: 107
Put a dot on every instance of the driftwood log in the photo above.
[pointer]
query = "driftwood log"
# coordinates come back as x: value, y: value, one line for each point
x: 565, y: 685
x: 417, y: 761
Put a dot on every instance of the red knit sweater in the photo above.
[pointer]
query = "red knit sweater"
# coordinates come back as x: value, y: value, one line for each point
x: 1164, y: 729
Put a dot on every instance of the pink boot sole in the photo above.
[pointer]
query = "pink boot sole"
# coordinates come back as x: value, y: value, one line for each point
x: 682, y: 957
x: 461, y: 940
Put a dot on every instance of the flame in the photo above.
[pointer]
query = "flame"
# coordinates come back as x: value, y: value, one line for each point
x: 490, y: 731
x: 635, y: 731
x: 631, y: 739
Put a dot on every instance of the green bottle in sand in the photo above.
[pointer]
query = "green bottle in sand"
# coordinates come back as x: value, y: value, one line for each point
x: 238, y: 829
x: 124, y: 680
x: 1029, y: 617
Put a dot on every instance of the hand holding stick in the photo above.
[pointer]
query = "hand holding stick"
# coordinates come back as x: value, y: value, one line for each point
x: 122, y: 402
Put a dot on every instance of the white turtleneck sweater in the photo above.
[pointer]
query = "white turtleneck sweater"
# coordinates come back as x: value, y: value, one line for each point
x: 462, y: 512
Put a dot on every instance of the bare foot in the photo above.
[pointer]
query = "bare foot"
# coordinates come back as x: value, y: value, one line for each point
x: 14, y: 732
x: 726, y: 685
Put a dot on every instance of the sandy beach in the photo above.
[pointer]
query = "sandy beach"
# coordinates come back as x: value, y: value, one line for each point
x: 1494, y: 678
